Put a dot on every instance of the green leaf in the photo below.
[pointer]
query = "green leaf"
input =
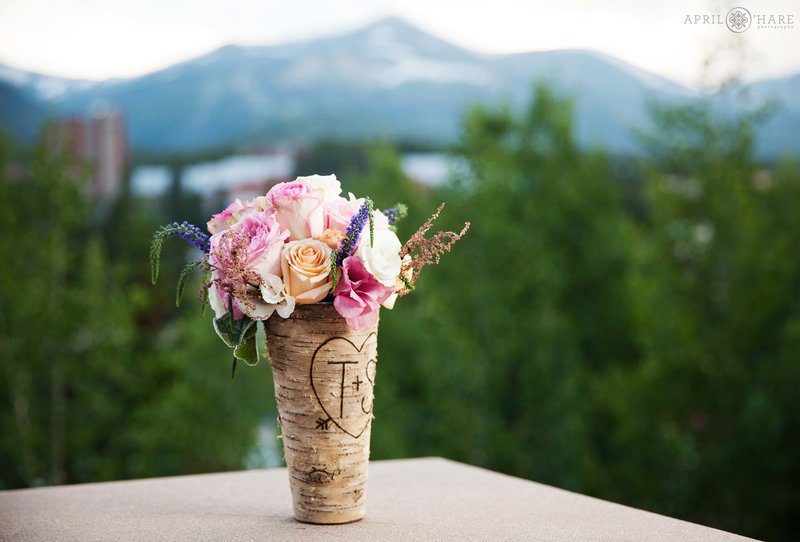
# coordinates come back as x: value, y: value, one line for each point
x: 155, y: 256
x: 242, y: 339
x: 231, y: 331
x: 182, y: 280
x: 402, y: 210
x: 371, y: 223
x: 408, y: 283
x: 334, y: 269
x: 206, y: 278
x: 230, y: 312
x: 247, y: 350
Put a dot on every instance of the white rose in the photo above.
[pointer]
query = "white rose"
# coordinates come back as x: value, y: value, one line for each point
x: 330, y: 186
x: 382, y: 256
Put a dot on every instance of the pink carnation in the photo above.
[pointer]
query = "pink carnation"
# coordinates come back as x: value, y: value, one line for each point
x: 358, y: 295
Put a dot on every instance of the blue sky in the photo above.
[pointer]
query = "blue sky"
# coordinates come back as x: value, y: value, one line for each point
x: 99, y: 39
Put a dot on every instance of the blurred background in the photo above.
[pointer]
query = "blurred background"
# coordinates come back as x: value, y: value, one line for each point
x: 622, y: 319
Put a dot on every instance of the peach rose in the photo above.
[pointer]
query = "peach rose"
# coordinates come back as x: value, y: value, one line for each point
x: 332, y: 238
x: 306, y: 266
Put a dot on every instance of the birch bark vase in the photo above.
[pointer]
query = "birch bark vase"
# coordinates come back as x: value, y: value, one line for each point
x: 324, y: 374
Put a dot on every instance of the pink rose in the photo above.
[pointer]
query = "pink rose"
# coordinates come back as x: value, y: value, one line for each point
x: 266, y: 239
x: 247, y: 258
x: 338, y: 214
x: 358, y: 295
x: 230, y: 216
x: 299, y: 209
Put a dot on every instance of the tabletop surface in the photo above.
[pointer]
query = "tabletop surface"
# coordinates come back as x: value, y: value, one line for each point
x: 409, y: 499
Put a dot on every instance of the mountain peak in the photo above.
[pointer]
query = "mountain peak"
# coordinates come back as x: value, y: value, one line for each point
x: 398, y: 32
x: 392, y: 21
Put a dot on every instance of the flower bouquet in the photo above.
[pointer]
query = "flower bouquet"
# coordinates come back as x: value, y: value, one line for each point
x: 314, y: 268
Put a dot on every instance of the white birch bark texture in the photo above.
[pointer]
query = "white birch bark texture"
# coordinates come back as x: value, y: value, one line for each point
x: 324, y: 373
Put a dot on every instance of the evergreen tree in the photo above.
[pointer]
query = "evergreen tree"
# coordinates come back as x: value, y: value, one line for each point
x: 706, y: 421
x: 100, y: 378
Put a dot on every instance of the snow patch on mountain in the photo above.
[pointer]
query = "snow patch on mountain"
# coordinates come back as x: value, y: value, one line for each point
x: 399, y: 63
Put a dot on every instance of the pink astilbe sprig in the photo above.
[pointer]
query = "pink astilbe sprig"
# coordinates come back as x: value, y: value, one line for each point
x: 424, y: 251
x: 234, y: 277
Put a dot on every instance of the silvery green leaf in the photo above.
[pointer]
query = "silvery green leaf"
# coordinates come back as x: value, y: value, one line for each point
x: 247, y: 350
x: 231, y: 331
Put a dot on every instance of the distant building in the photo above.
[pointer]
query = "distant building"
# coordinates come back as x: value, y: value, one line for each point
x: 243, y: 176
x: 150, y: 181
x: 101, y: 142
x: 108, y: 148
x: 239, y: 175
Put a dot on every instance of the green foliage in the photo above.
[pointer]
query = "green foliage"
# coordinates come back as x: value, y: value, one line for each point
x: 156, y: 245
x: 371, y: 223
x: 182, y: 280
x: 640, y: 350
x: 247, y: 350
x: 238, y: 334
x: 99, y: 379
x: 205, y: 279
x: 526, y: 319
x: 716, y: 293
x: 190, y: 233
x: 194, y: 419
x: 334, y: 269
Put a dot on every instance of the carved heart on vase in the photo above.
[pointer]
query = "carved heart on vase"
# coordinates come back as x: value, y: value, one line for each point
x: 342, y: 377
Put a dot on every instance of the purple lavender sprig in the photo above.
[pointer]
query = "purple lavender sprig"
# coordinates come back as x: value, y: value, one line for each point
x: 354, y: 229
x: 400, y: 210
x: 188, y: 232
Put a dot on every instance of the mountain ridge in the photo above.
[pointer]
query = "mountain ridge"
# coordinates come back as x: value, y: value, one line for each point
x: 386, y: 79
